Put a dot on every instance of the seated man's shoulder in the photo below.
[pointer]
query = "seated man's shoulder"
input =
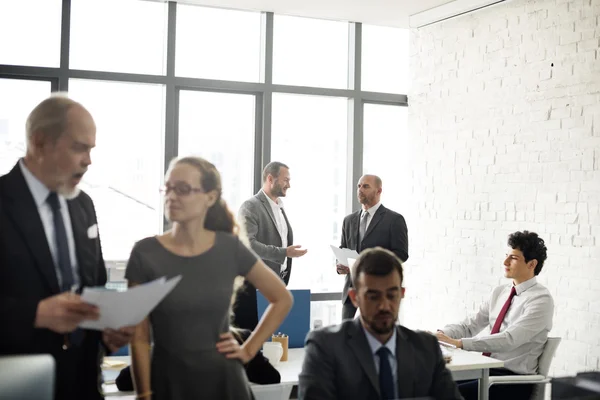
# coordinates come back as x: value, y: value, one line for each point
x: 329, y: 334
x: 418, y: 338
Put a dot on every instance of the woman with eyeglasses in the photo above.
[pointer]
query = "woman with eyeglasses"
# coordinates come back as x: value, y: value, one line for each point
x: 194, y: 356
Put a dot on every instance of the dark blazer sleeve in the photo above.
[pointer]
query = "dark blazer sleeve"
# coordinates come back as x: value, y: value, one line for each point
x: 443, y: 386
x: 17, y: 310
x: 399, y: 237
x: 317, y: 379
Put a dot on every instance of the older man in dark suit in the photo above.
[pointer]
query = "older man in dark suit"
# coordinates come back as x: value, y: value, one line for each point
x: 50, y: 248
x: 373, y: 225
x: 372, y: 358
x: 270, y: 235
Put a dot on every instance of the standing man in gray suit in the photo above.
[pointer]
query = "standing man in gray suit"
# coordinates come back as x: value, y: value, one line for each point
x: 371, y: 357
x: 270, y: 235
x: 373, y: 225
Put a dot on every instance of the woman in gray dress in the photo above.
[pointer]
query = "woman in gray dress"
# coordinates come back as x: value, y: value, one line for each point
x: 193, y: 355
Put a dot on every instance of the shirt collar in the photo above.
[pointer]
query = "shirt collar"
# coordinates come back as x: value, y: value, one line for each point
x: 523, y: 286
x: 38, y: 190
x: 375, y: 344
x: 372, y: 210
x: 279, y: 202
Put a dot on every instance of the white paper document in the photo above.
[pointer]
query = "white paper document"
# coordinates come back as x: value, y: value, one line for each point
x: 119, y: 309
x: 343, y: 255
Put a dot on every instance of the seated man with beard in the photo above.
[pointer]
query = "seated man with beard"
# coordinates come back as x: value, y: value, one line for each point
x: 372, y: 357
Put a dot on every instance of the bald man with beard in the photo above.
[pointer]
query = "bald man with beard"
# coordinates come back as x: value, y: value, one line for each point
x: 372, y: 226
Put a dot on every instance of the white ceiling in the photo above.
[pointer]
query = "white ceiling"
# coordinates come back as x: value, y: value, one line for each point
x: 377, y: 12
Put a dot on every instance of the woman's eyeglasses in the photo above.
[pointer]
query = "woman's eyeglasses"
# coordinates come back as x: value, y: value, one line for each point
x: 180, y: 189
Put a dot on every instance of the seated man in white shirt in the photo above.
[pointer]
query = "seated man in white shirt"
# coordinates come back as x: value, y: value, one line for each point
x: 519, y: 315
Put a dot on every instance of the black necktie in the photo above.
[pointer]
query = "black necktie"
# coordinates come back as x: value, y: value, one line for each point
x: 62, y: 243
x: 386, y: 378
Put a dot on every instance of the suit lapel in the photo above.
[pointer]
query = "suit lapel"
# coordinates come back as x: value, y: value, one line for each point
x: 22, y: 209
x: 357, y: 341
x: 376, y: 218
x: 83, y: 245
x: 405, y: 358
x: 265, y: 202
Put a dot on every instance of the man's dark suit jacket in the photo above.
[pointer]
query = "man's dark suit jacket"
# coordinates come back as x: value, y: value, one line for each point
x: 338, y: 364
x: 387, y: 229
x: 258, y: 219
x: 28, y: 275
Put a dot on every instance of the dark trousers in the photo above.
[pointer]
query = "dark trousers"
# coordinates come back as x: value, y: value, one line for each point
x: 348, y: 310
x: 470, y: 389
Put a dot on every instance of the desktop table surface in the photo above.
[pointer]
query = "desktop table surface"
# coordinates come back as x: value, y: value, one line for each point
x: 290, y: 369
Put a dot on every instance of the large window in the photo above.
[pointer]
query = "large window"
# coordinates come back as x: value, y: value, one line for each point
x: 239, y: 88
x: 387, y: 124
x: 30, y: 32
x: 310, y: 136
x: 207, y: 129
x: 103, y: 36
x: 385, y: 59
x: 310, y: 52
x: 126, y: 171
x: 17, y: 99
x: 217, y: 44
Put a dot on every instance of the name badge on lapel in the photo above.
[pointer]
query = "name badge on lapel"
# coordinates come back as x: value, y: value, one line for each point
x: 92, y: 231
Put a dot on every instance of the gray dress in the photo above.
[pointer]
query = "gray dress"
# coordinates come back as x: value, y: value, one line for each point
x: 186, y: 325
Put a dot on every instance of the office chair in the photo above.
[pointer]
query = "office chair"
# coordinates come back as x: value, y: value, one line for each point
x: 541, y: 379
x: 29, y: 377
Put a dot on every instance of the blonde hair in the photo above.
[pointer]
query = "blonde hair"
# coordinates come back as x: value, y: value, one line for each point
x: 50, y: 117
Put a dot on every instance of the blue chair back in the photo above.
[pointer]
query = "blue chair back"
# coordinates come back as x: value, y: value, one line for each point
x: 297, y: 324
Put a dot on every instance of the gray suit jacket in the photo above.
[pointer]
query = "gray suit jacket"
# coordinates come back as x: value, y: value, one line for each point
x: 257, y: 217
x: 387, y: 229
x: 339, y: 365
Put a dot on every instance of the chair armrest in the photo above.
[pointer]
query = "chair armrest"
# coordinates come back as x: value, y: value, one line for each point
x: 517, y: 379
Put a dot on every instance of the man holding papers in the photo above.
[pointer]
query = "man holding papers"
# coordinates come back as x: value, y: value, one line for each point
x: 519, y: 316
x: 373, y: 225
x: 49, y: 247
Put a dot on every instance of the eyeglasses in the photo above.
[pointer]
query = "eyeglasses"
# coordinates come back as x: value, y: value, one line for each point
x: 181, y: 189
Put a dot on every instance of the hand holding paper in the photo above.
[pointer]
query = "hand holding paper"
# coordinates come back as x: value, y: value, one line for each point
x: 343, y: 255
x: 129, y: 308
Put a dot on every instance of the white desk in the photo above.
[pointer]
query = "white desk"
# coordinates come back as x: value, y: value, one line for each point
x: 464, y: 365
x: 471, y: 365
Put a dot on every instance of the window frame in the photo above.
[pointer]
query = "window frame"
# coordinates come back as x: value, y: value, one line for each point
x: 262, y: 90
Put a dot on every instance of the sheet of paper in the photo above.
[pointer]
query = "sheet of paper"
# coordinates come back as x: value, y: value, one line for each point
x: 343, y: 255
x: 119, y: 309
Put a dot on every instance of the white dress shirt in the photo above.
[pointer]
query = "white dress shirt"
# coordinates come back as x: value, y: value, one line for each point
x: 372, y: 212
x: 40, y: 193
x: 523, y: 332
x: 375, y: 345
x: 282, y: 228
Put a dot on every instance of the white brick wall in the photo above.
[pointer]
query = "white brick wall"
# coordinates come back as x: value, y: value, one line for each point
x: 504, y: 123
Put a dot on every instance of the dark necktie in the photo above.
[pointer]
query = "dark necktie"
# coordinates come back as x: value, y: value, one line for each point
x: 62, y: 243
x: 496, y: 327
x: 386, y: 378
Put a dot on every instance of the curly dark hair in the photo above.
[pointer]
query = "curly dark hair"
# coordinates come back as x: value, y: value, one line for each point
x: 531, y: 245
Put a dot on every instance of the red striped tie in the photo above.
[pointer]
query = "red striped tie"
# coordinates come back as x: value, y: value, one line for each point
x: 502, y: 314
